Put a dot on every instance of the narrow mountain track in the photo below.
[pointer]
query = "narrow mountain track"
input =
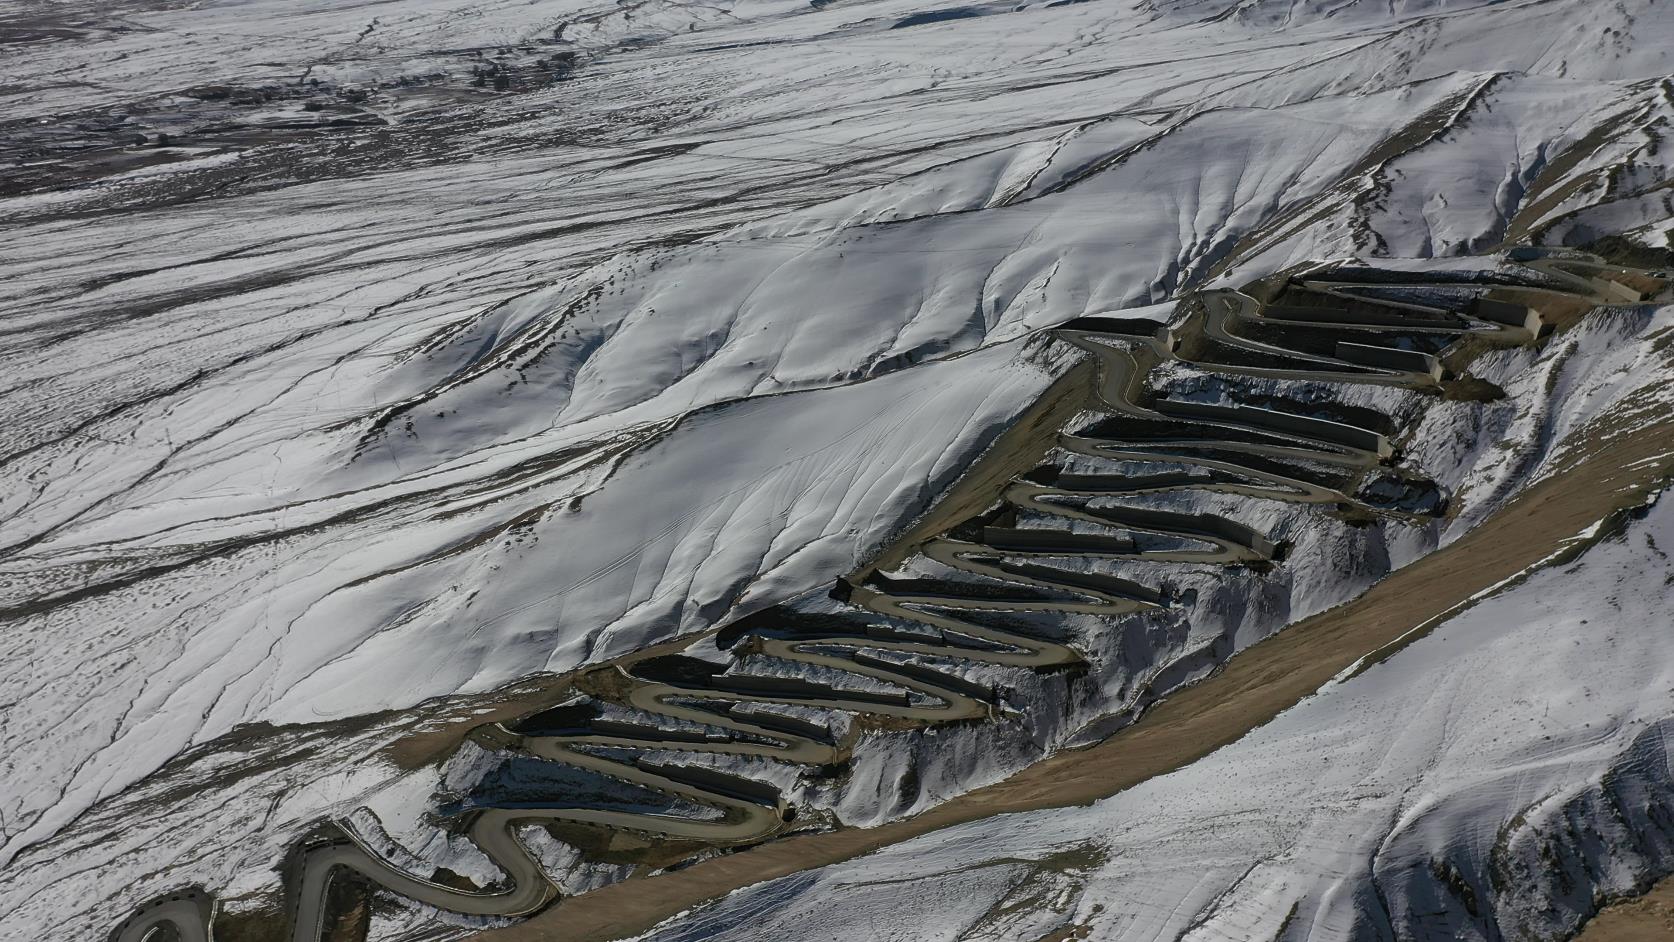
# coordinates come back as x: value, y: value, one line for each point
x: 901, y: 639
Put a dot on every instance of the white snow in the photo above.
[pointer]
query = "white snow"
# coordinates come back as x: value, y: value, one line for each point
x: 297, y: 433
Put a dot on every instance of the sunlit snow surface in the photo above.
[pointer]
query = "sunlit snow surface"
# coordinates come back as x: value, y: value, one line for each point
x: 305, y: 432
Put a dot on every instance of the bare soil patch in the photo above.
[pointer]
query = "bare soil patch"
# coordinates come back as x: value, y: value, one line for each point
x: 1647, y: 918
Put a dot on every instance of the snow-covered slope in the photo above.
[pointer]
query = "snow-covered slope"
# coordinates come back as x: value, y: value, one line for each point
x: 309, y: 421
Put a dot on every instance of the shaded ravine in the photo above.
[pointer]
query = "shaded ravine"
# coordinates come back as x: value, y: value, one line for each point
x: 1258, y: 453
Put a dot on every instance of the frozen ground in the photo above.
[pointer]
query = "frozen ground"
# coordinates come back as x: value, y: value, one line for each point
x: 307, y: 421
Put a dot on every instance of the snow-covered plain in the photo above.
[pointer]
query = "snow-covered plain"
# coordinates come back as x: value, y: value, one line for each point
x: 300, y: 429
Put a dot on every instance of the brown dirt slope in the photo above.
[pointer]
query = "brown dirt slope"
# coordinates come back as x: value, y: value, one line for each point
x: 1648, y: 918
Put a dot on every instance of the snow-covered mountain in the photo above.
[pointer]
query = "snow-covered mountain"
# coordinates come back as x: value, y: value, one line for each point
x: 368, y: 366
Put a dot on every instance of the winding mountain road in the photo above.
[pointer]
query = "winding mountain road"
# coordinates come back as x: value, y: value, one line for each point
x: 1258, y: 453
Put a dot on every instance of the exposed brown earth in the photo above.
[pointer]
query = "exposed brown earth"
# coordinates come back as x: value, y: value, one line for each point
x: 1612, y: 468
x: 1647, y: 918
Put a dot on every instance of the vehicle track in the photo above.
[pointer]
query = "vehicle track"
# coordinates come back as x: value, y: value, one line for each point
x: 1246, y: 451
